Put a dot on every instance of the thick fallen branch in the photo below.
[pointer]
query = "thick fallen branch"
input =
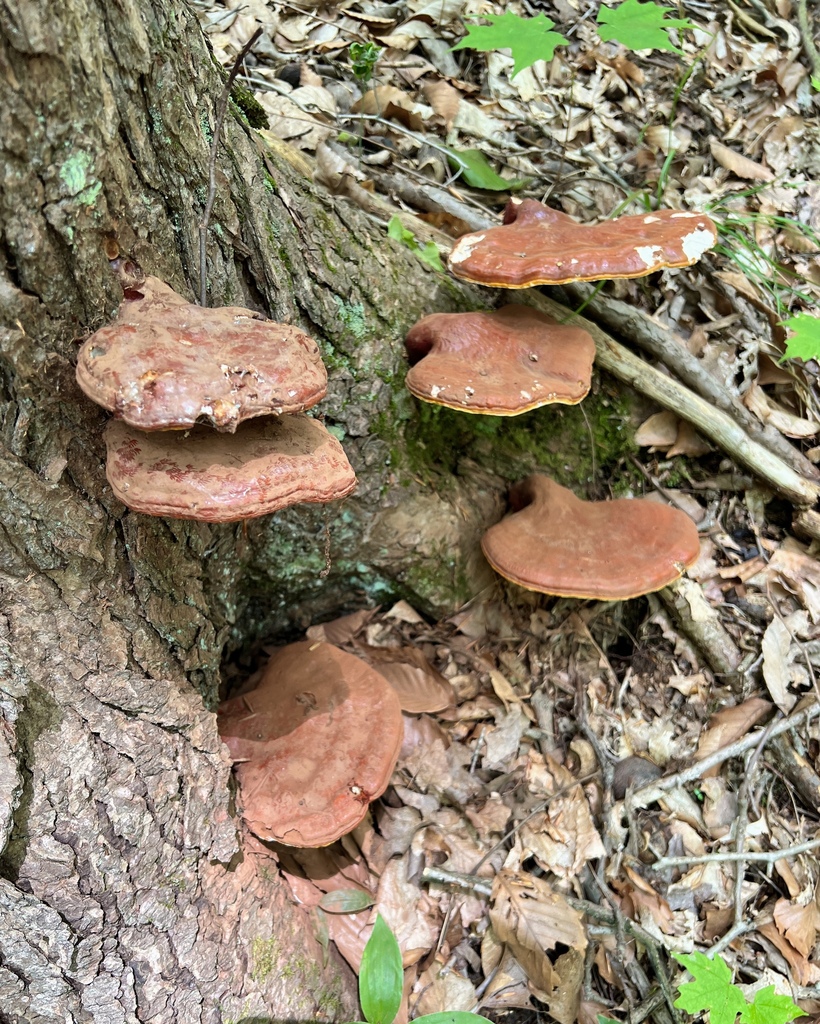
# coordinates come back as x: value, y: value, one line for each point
x: 667, y: 347
x: 713, y: 423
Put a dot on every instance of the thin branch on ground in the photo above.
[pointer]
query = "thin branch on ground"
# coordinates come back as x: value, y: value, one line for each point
x: 703, y: 415
x: 649, y: 794
x: 222, y: 108
x: 765, y: 856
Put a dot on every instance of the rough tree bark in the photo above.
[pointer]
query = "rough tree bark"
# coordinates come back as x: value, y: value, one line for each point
x: 126, y: 890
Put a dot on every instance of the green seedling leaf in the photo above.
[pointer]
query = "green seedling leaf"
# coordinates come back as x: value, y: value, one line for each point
x: 606, y: 1020
x: 429, y: 254
x: 711, y: 990
x: 452, y: 1017
x: 476, y: 170
x: 529, y: 39
x: 397, y: 230
x: 803, y: 341
x: 346, y: 901
x: 639, y: 26
x: 769, y: 1008
x: 381, y: 976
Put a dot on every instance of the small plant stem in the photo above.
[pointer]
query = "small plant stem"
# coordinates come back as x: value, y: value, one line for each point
x: 222, y: 107
x: 807, y: 36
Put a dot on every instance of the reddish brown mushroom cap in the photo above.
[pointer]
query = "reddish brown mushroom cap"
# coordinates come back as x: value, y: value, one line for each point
x: 502, y: 363
x: 316, y: 741
x: 166, y: 363
x: 538, y: 245
x: 555, y: 543
x: 199, y: 474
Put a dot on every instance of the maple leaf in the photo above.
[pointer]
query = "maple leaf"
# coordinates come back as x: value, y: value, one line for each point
x: 639, y: 26
x: 711, y: 990
x: 804, y: 340
x: 529, y: 39
x: 769, y: 1008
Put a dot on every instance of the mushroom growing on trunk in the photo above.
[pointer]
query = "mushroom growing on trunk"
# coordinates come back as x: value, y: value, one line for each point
x: 267, y: 465
x: 313, y: 744
x: 501, y: 363
x: 538, y: 245
x: 165, y: 363
x: 555, y: 543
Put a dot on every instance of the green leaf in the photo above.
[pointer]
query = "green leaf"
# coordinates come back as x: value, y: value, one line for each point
x: 639, y: 26
x: 397, y: 231
x: 346, y: 901
x: 769, y: 1008
x: 381, y: 976
x: 476, y: 170
x: 711, y: 990
x: 804, y: 339
x: 606, y: 1020
x: 529, y: 39
x: 451, y: 1017
x: 430, y: 255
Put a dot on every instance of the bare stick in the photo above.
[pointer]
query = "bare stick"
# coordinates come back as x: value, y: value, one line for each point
x: 222, y: 108
x: 648, y: 794
x: 807, y: 35
x: 765, y: 856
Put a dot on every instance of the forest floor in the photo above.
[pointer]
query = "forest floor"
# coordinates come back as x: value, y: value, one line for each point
x: 546, y: 842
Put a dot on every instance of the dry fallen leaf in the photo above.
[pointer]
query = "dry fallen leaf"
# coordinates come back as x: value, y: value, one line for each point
x: 341, y: 630
x: 776, y: 645
x: 798, y: 924
x: 731, y: 724
x: 738, y: 164
x: 532, y: 919
x: 660, y: 430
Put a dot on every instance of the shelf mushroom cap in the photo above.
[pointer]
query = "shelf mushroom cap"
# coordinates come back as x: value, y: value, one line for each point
x: 539, y: 245
x: 500, y: 363
x: 314, y: 743
x: 267, y: 465
x: 555, y: 543
x: 165, y: 363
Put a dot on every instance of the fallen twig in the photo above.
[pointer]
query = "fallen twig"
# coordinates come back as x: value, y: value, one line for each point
x: 662, y: 343
x: 700, y: 621
x: 764, y: 856
x: 649, y: 794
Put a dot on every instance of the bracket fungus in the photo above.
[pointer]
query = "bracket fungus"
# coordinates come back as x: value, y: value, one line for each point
x: 538, y: 245
x: 267, y: 465
x: 313, y: 744
x: 556, y: 543
x: 502, y: 363
x: 165, y: 363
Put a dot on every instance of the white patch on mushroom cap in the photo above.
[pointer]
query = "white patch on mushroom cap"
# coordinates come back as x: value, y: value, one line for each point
x: 649, y: 254
x: 463, y: 249
x: 526, y: 396
x: 697, y: 242
x: 686, y: 213
x: 651, y: 220
x: 435, y: 391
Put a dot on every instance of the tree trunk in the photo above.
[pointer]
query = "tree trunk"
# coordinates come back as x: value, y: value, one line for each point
x: 127, y: 892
